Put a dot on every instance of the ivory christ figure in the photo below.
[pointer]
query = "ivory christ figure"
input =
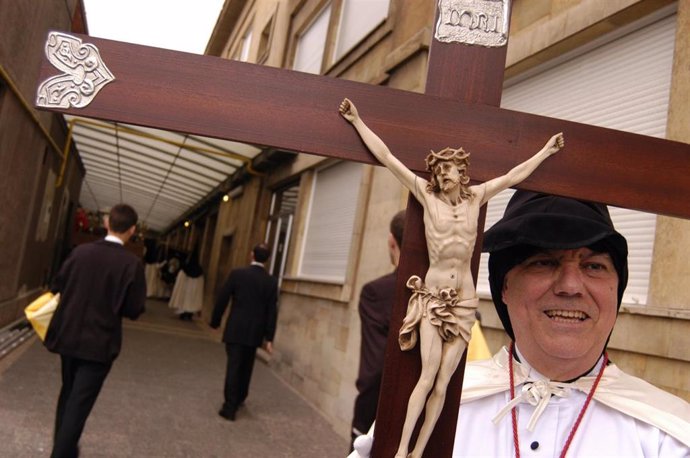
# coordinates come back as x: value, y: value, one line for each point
x: 442, y: 307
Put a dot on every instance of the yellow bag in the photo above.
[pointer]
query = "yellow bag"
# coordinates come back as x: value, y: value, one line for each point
x: 40, y: 312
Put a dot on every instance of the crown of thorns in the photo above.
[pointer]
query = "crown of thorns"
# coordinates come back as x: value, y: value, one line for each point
x: 458, y: 156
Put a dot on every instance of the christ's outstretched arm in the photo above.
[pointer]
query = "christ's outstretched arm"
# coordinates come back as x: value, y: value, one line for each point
x: 379, y: 149
x: 523, y: 170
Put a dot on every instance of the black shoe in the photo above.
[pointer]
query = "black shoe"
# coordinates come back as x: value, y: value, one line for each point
x: 227, y: 414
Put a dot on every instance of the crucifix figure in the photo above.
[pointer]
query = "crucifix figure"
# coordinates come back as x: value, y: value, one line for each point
x: 249, y: 103
x: 442, y: 307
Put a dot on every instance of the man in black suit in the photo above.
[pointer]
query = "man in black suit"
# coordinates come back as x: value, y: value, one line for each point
x: 252, y: 321
x: 99, y: 283
x: 375, y: 303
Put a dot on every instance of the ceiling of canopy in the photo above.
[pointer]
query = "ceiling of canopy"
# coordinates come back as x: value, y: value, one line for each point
x: 161, y: 174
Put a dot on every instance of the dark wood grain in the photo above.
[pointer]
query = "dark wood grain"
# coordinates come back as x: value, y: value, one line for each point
x: 473, y: 75
x: 267, y: 106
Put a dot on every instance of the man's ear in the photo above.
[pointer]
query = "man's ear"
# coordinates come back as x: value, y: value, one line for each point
x: 392, y: 245
x: 393, y: 250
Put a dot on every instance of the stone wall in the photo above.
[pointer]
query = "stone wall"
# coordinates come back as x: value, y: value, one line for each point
x: 34, y: 214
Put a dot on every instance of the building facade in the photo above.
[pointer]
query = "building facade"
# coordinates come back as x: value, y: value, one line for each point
x: 41, y: 175
x: 621, y: 64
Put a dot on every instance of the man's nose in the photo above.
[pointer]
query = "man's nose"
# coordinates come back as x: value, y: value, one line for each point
x: 568, y: 281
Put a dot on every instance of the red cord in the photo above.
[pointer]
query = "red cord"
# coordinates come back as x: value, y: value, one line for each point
x: 584, y: 407
x: 513, y: 412
x: 516, y: 440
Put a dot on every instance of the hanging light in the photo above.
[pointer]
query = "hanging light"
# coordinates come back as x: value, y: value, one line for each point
x: 226, y: 198
x: 186, y: 224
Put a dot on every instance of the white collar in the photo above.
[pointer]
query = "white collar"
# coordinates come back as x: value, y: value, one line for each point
x: 256, y: 263
x: 617, y: 390
x: 538, y: 391
x: 114, y: 239
x: 534, y: 375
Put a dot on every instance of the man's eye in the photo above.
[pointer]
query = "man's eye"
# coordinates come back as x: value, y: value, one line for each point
x: 596, y: 267
x: 542, y: 262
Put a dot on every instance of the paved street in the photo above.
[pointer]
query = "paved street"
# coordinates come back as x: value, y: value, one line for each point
x: 161, y: 400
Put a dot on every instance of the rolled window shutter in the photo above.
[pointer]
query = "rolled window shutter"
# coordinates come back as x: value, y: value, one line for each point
x: 623, y: 84
x: 330, y: 222
x: 357, y: 19
x: 311, y: 44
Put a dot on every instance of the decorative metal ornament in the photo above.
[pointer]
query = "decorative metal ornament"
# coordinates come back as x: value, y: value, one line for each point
x: 84, y: 73
x: 473, y: 22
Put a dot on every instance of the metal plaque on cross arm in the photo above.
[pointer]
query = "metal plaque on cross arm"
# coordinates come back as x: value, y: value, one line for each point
x: 83, y: 75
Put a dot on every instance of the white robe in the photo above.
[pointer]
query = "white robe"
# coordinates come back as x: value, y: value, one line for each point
x: 627, y: 416
x: 154, y: 285
x: 187, y: 294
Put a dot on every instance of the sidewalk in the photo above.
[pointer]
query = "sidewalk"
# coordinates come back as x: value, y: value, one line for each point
x: 161, y: 400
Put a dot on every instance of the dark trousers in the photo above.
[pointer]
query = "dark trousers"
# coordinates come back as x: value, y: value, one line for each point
x: 365, y: 408
x: 238, y: 374
x: 81, y: 382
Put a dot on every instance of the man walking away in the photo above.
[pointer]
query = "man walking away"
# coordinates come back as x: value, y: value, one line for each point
x: 252, y: 321
x: 99, y: 283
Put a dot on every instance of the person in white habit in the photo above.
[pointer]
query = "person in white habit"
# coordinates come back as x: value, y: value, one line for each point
x: 155, y: 287
x: 557, y: 271
x: 187, y: 296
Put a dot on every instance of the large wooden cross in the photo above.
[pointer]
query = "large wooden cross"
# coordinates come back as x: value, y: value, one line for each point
x: 249, y: 103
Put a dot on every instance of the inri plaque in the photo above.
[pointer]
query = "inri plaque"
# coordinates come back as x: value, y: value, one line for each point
x: 473, y: 22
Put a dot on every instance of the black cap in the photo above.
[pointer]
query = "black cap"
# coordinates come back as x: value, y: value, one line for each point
x: 533, y: 222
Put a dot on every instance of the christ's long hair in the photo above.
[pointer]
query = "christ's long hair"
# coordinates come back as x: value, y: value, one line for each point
x: 459, y: 157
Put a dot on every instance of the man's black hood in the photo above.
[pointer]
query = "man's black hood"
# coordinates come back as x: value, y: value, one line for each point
x: 533, y: 222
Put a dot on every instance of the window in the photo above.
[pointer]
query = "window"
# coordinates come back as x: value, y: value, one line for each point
x: 330, y: 224
x: 283, y: 205
x: 324, y: 41
x: 246, y: 45
x: 265, y: 42
x: 358, y: 18
x: 241, y: 52
x: 311, y: 44
x: 606, y: 87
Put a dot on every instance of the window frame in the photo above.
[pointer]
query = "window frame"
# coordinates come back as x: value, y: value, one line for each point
x: 297, y: 283
x: 304, y: 15
x: 337, y: 36
x: 306, y: 27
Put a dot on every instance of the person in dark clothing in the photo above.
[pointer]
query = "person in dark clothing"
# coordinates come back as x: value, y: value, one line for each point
x: 188, y: 293
x: 99, y: 283
x: 169, y: 271
x: 192, y: 267
x: 375, y: 303
x: 251, y: 322
x: 151, y: 251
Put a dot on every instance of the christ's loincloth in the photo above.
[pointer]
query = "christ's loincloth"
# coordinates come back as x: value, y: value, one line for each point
x: 442, y: 307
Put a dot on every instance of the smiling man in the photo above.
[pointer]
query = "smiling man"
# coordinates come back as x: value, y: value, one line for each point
x: 557, y: 271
